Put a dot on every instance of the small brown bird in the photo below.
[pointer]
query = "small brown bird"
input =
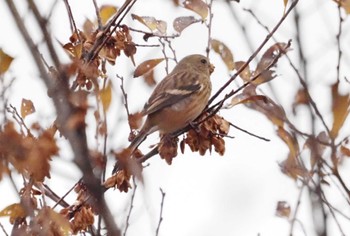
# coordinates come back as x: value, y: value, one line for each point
x: 178, y: 99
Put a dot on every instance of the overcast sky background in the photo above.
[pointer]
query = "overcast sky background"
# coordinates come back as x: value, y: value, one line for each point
x: 212, y: 195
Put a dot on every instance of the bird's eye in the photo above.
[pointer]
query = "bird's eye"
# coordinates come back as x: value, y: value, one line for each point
x: 204, y: 61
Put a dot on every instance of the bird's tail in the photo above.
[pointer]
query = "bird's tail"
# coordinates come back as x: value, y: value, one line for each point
x: 140, y: 137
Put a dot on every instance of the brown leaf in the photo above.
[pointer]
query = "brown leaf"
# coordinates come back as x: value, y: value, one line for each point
x: 27, y: 107
x: 283, y: 209
x: 146, y: 66
x: 340, y: 109
x: 273, y: 111
x: 245, y: 99
x: 130, y: 51
x: 152, y: 23
x: 181, y: 23
x: 245, y: 74
x: 345, y: 151
x: 167, y: 148
x: 265, y: 69
x: 301, y: 98
x: 5, y: 61
x: 344, y: 4
x: 52, y: 223
x: 224, y: 52
x: 74, y: 50
x: 290, y: 140
x: 197, y: 6
x: 14, y: 211
x: 149, y: 78
x: 106, y: 12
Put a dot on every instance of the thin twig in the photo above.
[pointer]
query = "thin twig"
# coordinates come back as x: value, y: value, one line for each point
x: 3, y: 230
x: 209, y: 25
x: 73, y: 26
x: 99, y: 21
x: 341, y: 20
x: 161, y: 211
x: 127, y: 222
x: 249, y: 133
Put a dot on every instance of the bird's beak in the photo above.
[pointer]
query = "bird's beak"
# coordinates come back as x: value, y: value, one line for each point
x: 211, y: 68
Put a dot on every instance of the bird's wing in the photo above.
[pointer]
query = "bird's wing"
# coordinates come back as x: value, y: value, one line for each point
x: 172, y: 89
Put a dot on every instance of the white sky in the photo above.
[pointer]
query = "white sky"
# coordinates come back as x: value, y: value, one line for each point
x: 231, y: 195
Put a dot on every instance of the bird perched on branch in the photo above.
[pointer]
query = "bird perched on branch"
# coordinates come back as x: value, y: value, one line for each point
x: 178, y: 99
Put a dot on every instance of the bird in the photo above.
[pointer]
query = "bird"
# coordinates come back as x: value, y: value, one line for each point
x: 178, y: 99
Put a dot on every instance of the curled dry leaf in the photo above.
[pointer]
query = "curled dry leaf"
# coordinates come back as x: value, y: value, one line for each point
x: 28, y: 155
x: 52, y: 223
x: 265, y: 68
x: 27, y: 108
x: 344, y: 4
x: 283, y: 209
x: 146, y: 66
x: 167, y: 148
x: 14, y: 211
x: 224, y: 52
x: 152, y: 23
x: 197, y: 6
x: 83, y: 219
x: 74, y: 50
x: 208, y: 135
x: 245, y: 74
x: 292, y: 166
x: 340, y: 109
x: 301, y: 98
x: 149, y: 78
x: 5, y: 61
x: 317, y: 146
x: 181, y: 23
x: 120, y: 180
x: 106, y: 12
x: 344, y: 151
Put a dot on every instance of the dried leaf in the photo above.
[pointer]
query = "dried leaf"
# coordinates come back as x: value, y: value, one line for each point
x: 27, y: 108
x: 283, y: 209
x: 290, y: 140
x: 345, y: 151
x: 106, y: 96
x: 149, y: 78
x: 244, y: 99
x: 301, y: 98
x: 5, y: 61
x: 344, y: 4
x: 265, y: 69
x: 146, y: 66
x: 197, y: 6
x: 224, y: 52
x: 152, y: 23
x: 340, y: 109
x: 14, y: 211
x: 74, y: 51
x: 181, y: 23
x: 52, y: 222
x: 274, y: 112
x: 88, y: 27
x: 167, y: 148
x: 245, y: 74
x: 106, y: 12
